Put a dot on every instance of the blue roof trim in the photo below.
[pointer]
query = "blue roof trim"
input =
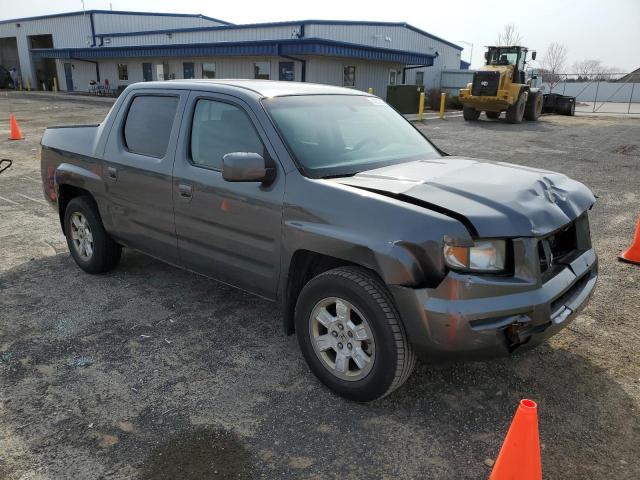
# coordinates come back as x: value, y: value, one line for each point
x: 115, y: 12
x: 284, y: 24
x: 302, y: 46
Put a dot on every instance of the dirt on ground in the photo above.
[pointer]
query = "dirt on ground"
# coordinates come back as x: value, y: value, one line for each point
x: 152, y: 372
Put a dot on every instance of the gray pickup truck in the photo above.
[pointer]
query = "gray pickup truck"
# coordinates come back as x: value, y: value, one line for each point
x: 377, y: 245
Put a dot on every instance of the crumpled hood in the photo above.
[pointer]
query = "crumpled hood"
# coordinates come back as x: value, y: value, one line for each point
x: 498, y: 199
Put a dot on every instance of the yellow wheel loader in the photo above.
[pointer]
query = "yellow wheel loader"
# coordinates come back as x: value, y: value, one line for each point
x: 500, y: 86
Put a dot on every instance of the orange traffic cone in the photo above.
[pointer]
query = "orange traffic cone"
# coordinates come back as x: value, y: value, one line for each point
x: 14, y: 133
x: 519, y: 457
x: 632, y: 254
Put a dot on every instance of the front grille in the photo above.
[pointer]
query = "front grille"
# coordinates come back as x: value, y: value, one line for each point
x: 485, y: 83
x: 557, y: 248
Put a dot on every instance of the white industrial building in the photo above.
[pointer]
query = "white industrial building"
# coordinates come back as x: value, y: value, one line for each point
x: 118, y: 48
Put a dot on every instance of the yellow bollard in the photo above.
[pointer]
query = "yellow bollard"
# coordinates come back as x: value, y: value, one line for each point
x: 370, y: 90
x: 55, y: 84
x: 28, y: 85
x: 443, y: 99
x: 421, y: 107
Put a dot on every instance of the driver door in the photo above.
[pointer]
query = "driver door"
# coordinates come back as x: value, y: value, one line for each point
x: 227, y: 230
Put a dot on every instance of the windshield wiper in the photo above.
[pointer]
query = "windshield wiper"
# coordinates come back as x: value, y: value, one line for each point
x: 340, y: 175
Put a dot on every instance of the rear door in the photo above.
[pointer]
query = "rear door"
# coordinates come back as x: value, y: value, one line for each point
x: 229, y: 231
x: 139, y: 158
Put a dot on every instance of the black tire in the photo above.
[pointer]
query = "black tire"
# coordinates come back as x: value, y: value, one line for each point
x: 105, y: 251
x: 470, y: 114
x: 571, y: 110
x: 534, y: 106
x: 515, y: 113
x: 394, y: 358
x: 493, y: 115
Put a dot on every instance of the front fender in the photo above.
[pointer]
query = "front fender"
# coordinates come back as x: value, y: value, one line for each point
x: 394, y: 262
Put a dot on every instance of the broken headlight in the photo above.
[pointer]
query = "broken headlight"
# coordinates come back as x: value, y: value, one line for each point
x: 484, y: 256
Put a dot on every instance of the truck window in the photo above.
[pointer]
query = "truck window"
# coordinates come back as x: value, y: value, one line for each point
x: 219, y: 128
x: 148, y: 125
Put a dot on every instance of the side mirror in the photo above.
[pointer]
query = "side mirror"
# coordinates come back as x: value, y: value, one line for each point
x: 246, y: 167
x: 533, y: 55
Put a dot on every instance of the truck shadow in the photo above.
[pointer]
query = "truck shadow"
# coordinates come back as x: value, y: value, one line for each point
x: 208, y: 383
x: 501, y: 125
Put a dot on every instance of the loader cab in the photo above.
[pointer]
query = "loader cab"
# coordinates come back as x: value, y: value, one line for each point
x: 504, y: 56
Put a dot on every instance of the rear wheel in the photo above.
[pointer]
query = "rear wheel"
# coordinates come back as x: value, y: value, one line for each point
x: 493, y: 115
x: 470, y: 113
x: 90, y: 245
x: 534, y: 106
x: 351, y: 334
x: 515, y: 113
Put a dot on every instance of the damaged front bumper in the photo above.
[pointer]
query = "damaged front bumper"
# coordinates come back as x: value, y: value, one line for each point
x: 479, y: 317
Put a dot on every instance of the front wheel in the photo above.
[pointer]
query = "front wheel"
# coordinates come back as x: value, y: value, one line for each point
x: 90, y: 245
x: 351, y: 334
x: 515, y: 113
x: 470, y: 114
x: 533, y: 109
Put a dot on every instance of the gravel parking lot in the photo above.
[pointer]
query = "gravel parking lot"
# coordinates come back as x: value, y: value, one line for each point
x: 151, y: 372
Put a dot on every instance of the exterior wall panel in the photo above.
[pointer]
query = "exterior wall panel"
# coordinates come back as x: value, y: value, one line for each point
x: 177, y: 38
x: 114, y: 23
x: 329, y: 70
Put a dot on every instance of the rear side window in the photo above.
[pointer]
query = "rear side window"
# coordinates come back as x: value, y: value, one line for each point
x: 148, y: 125
x: 220, y: 128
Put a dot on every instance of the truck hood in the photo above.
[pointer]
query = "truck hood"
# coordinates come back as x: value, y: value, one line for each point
x: 493, y: 198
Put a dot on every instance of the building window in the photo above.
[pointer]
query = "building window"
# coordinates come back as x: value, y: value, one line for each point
x: 419, y: 78
x: 349, y: 76
x: 208, y: 70
x: 123, y: 73
x: 261, y: 70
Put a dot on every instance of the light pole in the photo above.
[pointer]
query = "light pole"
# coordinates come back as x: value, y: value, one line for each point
x: 471, y: 45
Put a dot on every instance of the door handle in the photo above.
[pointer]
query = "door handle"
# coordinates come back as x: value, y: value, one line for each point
x: 185, y: 191
x: 112, y: 172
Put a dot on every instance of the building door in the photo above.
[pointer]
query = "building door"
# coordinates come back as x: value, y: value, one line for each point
x: 286, y: 71
x: 188, y: 70
x: 68, y: 76
x: 393, y: 77
x: 147, y: 72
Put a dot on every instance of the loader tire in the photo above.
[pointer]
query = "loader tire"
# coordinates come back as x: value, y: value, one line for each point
x: 515, y: 113
x: 470, y: 114
x: 534, y: 106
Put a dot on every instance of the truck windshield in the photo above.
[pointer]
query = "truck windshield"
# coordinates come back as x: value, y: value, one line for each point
x: 340, y: 135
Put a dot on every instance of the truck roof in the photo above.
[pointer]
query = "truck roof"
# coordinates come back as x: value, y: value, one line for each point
x: 264, y: 88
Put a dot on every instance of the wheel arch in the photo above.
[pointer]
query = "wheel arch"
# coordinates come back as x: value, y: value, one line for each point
x: 304, y: 265
x: 66, y: 193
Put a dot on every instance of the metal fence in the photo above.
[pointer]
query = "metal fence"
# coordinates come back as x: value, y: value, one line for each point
x: 595, y: 93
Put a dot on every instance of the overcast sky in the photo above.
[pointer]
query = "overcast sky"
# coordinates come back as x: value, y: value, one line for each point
x: 607, y: 30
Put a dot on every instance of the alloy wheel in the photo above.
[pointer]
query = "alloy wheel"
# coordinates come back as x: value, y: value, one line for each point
x: 81, y: 236
x: 342, y: 339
